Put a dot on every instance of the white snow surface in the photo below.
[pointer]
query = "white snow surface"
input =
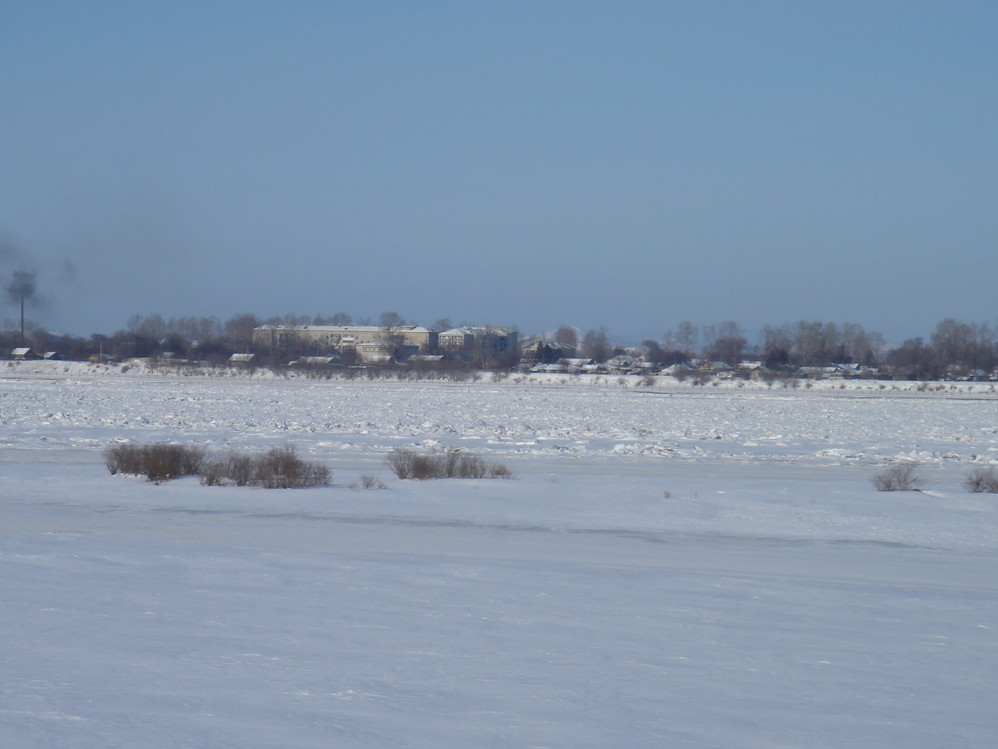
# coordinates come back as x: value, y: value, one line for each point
x: 671, y: 566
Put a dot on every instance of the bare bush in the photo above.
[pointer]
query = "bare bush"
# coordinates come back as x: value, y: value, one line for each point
x: 367, y: 481
x: 232, y: 469
x: 158, y: 462
x: 281, y: 468
x: 278, y: 468
x: 164, y: 462
x: 446, y: 464
x: 123, y: 459
x: 240, y: 469
x: 401, y: 462
x: 213, y: 473
x: 499, y: 471
x: 900, y: 477
x: 982, y: 480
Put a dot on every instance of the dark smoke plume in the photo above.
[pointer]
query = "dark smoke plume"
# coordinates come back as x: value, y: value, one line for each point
x: 67, y: 270
x: 19, y: 277
x: 22, y: 286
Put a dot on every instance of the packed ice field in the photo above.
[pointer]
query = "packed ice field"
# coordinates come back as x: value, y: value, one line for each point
x: 858, y: 422
x: 671, y: 565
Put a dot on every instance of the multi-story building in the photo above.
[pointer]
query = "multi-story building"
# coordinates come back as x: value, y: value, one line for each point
x: 406, y: 339
x: 374, y: 343
x: 478, y: 343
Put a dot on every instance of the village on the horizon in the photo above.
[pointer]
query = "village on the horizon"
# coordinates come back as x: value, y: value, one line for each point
x: 806, y: 349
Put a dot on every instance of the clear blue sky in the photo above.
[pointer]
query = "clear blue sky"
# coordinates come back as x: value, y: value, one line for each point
x: 627, y: 164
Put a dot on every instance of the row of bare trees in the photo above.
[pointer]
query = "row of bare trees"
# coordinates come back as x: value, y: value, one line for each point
x: 954, y: 347
x: 798, y: 344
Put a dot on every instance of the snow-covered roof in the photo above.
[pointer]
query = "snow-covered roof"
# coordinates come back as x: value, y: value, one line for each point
x: 477, y: 330
x: 346, y: 328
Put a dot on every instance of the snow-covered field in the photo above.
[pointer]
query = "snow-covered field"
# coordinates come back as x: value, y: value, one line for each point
x: 672, y: 566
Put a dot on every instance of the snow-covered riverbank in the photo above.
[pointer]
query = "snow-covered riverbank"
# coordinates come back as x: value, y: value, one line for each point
x: 671, y: 566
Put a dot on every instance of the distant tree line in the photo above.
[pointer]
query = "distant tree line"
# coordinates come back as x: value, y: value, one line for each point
x: 953, y: 349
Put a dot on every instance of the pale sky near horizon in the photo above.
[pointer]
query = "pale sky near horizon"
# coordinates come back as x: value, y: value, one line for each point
x: 619, y: 164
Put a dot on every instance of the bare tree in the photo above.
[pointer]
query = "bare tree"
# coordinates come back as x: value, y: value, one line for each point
x: 663, y: 357
x: 727, y: 344
x: 596, y: 346
x: 913, y: 360
x: 208, y: 328
x: 239, y: 330
x: 391, y: 335
x: 685, y: 338
x: 860, y: 346
x: 391, y: 320
x: 151, y: 326
x: 567, y: 337
x: 953, y: 342
x: 985, y: 347
x: 816, y: 344
x: 776, y: 346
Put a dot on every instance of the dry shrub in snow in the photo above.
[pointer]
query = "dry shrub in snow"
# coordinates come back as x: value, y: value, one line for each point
x: 232, y: 469
x: 281, y: 468
x: 123, y: 459
x: 900, y: 477
x: 446, y: 464
x: 158, y: 462
x: 982, y: 480
x: 367, y: 481
x: 278, y: 468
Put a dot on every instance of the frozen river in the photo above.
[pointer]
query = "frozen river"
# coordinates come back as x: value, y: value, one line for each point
x: 669, y: 567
